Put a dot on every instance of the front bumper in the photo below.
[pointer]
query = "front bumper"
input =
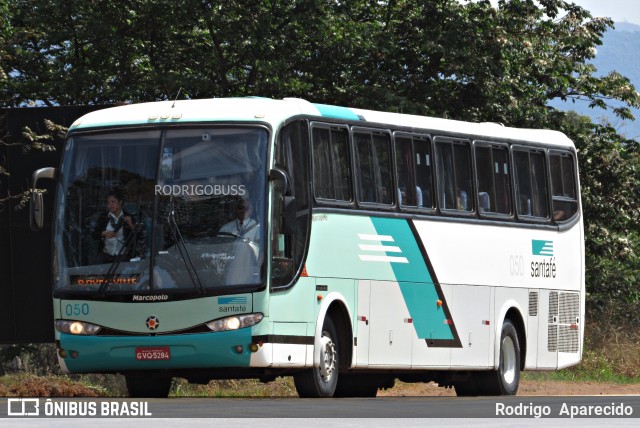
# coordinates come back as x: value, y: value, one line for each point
x: 96, y: 354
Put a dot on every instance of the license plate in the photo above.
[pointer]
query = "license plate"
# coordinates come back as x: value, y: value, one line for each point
x: 151, y: 354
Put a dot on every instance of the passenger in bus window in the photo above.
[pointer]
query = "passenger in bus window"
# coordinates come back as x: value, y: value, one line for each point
x: 563, y: 210
x: 559, y: 215
x: 484, y: 202
x: 119, y: 233
x: 243, y: 225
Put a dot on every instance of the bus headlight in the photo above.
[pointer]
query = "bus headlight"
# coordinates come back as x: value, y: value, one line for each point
x: 77, y: 327
x: 235, y: 322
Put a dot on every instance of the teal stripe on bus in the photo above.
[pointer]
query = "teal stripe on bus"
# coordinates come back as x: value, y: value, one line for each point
x: 336, y: 112
x: 416, y: 284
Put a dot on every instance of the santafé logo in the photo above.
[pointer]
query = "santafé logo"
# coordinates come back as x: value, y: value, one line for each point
x: 541, y: 248
x: 544, y: 267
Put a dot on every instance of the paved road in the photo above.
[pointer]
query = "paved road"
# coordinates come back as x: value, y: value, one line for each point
x: 396, y: 407
x: 385, y: 411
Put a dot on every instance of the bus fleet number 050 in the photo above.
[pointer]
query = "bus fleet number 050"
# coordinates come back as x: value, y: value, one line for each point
x: 516, y: 265
x: 76, y: 309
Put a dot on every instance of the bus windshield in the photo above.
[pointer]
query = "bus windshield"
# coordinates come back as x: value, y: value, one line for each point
x: 178, y: 210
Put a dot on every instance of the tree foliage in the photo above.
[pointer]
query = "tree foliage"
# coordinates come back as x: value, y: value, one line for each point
x: 610, y: 174
x: 447, y: 58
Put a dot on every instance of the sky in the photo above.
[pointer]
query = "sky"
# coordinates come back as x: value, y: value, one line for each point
x: 618, y: 10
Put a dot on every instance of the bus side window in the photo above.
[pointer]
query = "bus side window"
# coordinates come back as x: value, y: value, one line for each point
x: 405, y: 171
x: 373, y: 162
x: 492, y: 175
x: 540, y: 205
x: 563, y: 185
x: 331, y: 165
x: 454, y: 175
x: 413, y: 170
x: 292, y: 155
x: 531, y: 183
x: 424, y: 172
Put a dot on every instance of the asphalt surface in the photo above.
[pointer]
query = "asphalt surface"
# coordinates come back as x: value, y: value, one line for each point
x: 383, y: 411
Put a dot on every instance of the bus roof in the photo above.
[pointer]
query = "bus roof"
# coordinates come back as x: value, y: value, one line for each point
x: 274, y: 112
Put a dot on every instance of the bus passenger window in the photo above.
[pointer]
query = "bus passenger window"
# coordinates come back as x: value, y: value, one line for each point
x: 540, y: 207
x: 405, y: 172
x: 331, y: 171
x: 424, y: 172
x: 373, y: 163
x: 531, y: 183
x: 492, y: 174
x: 414, y: 170
x: 563, y: 185
x: 454, y: 175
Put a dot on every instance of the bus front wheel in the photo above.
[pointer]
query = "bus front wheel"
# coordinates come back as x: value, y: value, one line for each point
x: 321, y: 381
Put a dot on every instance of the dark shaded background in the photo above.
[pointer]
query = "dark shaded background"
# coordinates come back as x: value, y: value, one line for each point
x: 26, y: 310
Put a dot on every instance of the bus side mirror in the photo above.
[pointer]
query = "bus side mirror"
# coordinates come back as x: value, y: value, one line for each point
x: 36, y: 201
x: 36, y: 206
x: 289, y: 207
x: 281, y: 180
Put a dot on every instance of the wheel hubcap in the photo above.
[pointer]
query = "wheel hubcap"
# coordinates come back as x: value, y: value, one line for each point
x: 327, y: 357
x: 508, y: 360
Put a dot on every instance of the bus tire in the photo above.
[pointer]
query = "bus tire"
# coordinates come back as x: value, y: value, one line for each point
x: 506, y: 379
x: 148, y: 385
x: 321, y: 381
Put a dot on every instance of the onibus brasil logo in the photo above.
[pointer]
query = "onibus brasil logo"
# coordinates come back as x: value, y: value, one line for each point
x: 81, y: 408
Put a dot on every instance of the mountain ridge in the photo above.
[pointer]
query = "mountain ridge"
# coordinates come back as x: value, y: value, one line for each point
x: 620, y: 51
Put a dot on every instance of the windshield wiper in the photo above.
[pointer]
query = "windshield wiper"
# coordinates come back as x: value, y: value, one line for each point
x: 182, y: 248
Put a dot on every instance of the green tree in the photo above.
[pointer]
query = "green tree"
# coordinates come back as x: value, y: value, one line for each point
x: 88, y: 52
x: 5, y: 35
x: 31, y: 141
x: 610, y: 175
x: 447, y: 58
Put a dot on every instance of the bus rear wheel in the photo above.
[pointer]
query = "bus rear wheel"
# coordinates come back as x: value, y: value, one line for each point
x: 503, y: 381
x: 148, y: 385
x: 321, y: 381
x: 506, y: 379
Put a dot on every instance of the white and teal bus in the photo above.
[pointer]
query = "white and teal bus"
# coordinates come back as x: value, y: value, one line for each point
x: 382, y: 246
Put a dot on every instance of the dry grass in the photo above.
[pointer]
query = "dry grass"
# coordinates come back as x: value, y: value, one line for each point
x: 281, y: 387
x: 612, y: 351
x: 25, y: 385
x: 610, y: 355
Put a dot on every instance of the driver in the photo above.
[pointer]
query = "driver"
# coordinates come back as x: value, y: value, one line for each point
x: 118, y: 231
x: 243, y: 225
